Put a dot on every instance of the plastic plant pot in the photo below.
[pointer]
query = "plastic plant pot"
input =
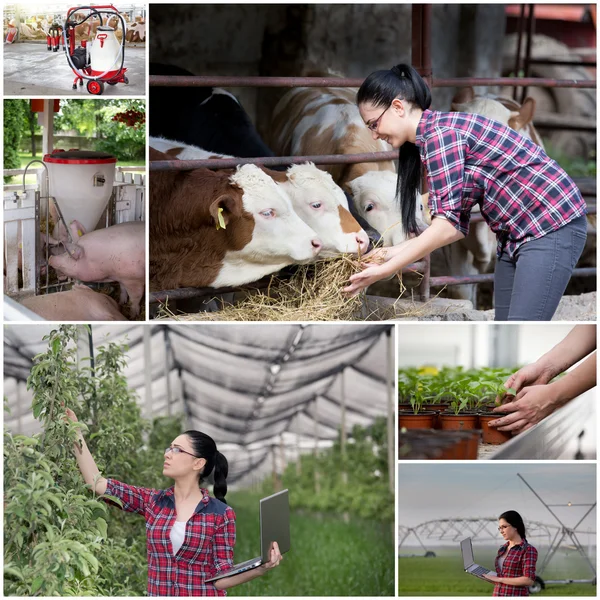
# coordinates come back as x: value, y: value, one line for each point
x: 421, y: 420
x: 469, y: 444
x: 462, y: 421
x: 491, y: 435
x: 438, y: 409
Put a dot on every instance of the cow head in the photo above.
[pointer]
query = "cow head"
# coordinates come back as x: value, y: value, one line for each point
x: 279, y: 235
x: 374, y: 195
x: 322, y: 205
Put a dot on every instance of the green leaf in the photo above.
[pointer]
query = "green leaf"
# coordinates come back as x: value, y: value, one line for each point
x: 36, y: 584
x: 14, y: 572
x: 102, y: 527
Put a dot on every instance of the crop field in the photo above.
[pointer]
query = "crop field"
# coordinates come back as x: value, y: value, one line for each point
x: 328, y: 557
x: 444, y: 575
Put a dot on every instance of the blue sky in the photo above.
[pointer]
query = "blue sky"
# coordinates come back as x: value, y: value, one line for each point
x: 442, y: 490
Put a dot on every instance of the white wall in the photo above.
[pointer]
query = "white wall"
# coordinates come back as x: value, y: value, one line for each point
x: 470, y: 344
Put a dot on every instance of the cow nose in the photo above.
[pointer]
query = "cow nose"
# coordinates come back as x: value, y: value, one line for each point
x: 362, y: 239
x: 317, y: 245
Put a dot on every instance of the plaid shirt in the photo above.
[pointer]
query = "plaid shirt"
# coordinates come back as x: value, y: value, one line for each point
x: 206, y: 550
x: 523, y: 194
x: 518, y: 562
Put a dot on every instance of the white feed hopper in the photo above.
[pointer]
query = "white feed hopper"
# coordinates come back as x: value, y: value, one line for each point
x: 81, y: 182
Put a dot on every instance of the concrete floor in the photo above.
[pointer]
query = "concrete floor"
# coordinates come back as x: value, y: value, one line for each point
x: 30, y: 70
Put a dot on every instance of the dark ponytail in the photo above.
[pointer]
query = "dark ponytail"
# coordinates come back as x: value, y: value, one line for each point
x: 220, y: 477
x: 380, y: 88
x: 512, y: 517
x: 204, y: 447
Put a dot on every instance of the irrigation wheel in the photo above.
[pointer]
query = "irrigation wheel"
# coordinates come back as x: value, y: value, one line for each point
x: 537, y: 586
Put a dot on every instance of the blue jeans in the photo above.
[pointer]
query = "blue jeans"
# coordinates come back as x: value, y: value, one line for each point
x: 529, y: 286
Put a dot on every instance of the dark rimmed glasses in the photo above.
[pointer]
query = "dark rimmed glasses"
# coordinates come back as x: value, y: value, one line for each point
x: 177, y: 450
x: 373, y: 125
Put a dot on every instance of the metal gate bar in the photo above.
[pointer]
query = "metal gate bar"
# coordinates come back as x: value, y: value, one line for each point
x: 260, y: 81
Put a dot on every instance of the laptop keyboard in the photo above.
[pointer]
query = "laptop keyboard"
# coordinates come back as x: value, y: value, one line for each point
x: 480, y: 571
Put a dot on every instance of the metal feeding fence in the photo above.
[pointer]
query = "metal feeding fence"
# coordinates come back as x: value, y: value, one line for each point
x: 421, y: 60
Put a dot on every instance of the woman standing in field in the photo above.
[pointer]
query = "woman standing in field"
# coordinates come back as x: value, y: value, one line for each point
x: 515, y: 562
x: 529, y: 202
x: 190, y: 536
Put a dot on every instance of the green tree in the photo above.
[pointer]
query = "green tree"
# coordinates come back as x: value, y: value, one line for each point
x: 96, y: 118
x: 60, y: 540
x: 14, y: 114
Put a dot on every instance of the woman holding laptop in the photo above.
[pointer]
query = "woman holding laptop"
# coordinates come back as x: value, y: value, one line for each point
x: 515, y: 562
x: 190, y: 535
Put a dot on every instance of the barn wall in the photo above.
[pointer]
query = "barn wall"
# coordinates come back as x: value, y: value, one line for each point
x: 351, y: 39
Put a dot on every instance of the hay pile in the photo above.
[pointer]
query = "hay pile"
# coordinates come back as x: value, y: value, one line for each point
x: 313, y: 293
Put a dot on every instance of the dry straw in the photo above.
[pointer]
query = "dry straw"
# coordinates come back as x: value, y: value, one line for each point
x: 313, y: 293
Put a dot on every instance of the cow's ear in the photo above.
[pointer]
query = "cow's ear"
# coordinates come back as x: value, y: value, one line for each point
x: 224, y: 209
x: 521, y: 118
x: 466, y: 94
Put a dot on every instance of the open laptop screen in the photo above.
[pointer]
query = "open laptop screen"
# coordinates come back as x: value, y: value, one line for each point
x: 467, y: 552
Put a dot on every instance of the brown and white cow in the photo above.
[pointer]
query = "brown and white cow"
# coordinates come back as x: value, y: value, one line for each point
x: 210, y: 229
x: 313, y: 121
x: 319, y: 202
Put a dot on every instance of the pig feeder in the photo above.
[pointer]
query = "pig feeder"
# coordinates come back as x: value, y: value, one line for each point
x: 81, y: 183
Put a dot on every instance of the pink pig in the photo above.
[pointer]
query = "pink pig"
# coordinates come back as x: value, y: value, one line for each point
x: 115, y: 253
x: 78, y: 304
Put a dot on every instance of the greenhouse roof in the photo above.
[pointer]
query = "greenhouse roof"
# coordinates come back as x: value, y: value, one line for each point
x: 262, y: 391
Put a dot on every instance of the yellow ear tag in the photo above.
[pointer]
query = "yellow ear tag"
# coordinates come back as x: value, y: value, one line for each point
x: 79, y: 232
x: 221, y: 220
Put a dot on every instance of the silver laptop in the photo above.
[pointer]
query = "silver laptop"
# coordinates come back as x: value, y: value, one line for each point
x: 274, y: 527
x: 466, y: 547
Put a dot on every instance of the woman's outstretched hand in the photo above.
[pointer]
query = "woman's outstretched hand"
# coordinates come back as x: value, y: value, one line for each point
x: 72, y: 416
x: 369, y: 275
x: 275, y: 558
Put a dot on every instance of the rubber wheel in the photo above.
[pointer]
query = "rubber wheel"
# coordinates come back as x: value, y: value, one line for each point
x: 112, y: 82
x: 125, y: 81
x: 538, y: 586
x: 95, y: 88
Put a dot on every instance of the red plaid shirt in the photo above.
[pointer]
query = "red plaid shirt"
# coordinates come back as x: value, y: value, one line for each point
x: 207, y: 548
x: 522, y: 192
x: 519, y: 562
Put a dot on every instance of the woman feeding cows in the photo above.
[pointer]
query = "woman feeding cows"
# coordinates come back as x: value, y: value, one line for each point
x: 529, y: 202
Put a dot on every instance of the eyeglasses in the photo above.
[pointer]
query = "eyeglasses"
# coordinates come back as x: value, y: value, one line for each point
x: 373, y: 125
x: 503, y: 527
x: 176, y: 450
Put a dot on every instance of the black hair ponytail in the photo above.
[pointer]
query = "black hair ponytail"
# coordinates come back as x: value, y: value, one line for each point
x: 221, y: 471
x: 380, y: 89
x: 204, y: 447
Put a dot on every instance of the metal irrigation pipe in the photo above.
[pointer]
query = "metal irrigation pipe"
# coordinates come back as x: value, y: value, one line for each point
x: 259, y: 81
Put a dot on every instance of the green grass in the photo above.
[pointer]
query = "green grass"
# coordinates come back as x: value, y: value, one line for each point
x: 444, y: 575
x: 328, y: 557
